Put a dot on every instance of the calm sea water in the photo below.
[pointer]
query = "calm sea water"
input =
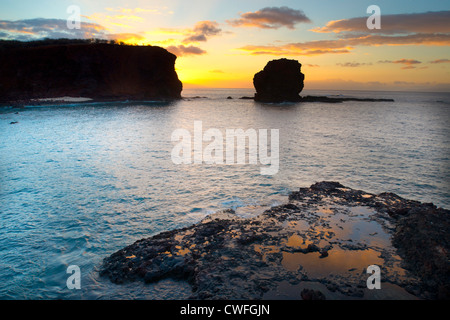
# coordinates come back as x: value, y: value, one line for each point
x: 78, y: 182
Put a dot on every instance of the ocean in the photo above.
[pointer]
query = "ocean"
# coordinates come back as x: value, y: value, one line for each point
x: 80, y: 181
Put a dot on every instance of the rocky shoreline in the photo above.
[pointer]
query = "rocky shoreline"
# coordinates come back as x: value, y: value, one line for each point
x: 49, y: 102
x: 316, y: 246
x: 326, y: 99
x: 54, y: 102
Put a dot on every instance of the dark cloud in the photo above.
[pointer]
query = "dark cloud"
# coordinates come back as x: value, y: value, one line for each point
x: 428, y: 29
x: 39, y: 28
x: 293, y: 49
x: 346, y: 45
x: 185, y: 51
x: 124, y: 36
x: 427, y: 22
x: 342, y: 84
x: 271, y: 18
x: 408, y: 63
x: 404, y: 61
x: 34, y: 29
x: 440, y: 61
x: 438, y: 39
x: 202, y: 30
x: 353, y: 64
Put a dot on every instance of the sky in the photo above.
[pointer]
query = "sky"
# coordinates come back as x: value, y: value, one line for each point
x: 222, y: 44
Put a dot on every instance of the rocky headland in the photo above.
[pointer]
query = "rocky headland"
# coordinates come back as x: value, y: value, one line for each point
x: 317, y: 246
x: 97, y: 70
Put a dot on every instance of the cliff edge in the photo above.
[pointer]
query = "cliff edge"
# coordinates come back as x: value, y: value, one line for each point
x: 93, y: 70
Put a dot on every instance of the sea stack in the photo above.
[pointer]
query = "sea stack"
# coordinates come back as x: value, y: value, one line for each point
x: 280, y: 81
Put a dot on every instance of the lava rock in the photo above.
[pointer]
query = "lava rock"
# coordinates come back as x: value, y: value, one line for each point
x: 242, y: 258
x: 308, y: 294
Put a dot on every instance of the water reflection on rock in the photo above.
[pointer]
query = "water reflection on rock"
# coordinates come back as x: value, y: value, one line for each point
x: 326, y: 234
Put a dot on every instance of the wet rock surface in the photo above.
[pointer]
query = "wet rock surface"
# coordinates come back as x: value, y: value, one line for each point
x: 316, y: 246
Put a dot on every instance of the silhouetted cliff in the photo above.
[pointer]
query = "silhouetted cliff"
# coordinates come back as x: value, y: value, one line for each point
x: 94, y: 70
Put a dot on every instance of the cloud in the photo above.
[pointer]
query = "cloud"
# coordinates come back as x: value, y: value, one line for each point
x: 125, y: 37
x: 271, y: 18
x: 309, y: 48
x: 342, y: 84
x: 34, y: 29
x: 435, y: 39
x: 289, y: 50
x: 353, y: 64
x: 346, y: 45
x: 201, y: 31
x: 427, y: 29
x: 216, y: 71
x: 126, y: 17
x: 440, y: 61
x: 39, y: 28
x: 158, y: 11
x: 181, y: 50
x: 427, y: 22
x: 404, y: 61
x: 408, y: 63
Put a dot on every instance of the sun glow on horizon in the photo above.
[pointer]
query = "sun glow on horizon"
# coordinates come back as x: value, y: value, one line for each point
x: 223, y: 45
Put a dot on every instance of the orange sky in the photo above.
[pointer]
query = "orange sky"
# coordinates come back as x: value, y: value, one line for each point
x: 223, y: 44
x: 355, y: 58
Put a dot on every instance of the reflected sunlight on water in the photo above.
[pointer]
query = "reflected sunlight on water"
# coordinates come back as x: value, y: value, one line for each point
x: 79, y: 182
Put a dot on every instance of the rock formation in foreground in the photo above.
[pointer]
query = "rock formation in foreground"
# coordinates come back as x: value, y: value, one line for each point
x: 93, y: 70
x: 317, y: 246
x: 280, y: 81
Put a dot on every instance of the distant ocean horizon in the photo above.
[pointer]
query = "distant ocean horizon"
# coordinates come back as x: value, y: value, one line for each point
x: 80, y: 181
x: 187, y: 87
